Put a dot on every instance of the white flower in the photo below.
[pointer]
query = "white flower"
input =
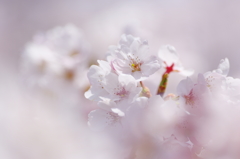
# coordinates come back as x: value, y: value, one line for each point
x: 96, y: 76
x: 131, y: 57
x: 67, y: 40
x: 223, y: 67
x: 171, y: 62
x: 216, y: 79
x: 108, y: 115
x: 220, y: 84
x: 109, y: 85
x: 115, y: 114
x: 191, y: 96
x: 172, y: 148
x: 65, y: 45
x: 233, y: 89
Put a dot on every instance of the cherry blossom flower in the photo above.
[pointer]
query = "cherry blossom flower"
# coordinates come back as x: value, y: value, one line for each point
x: 131, y: 57
x: 223, y: 67
x: 171, y: 62
x: 96, y: 76
x: 99, y: 119
x: 171, y: 147
x: 114, y: 114
x: 192, y: 96
x: 233, y: 89
x: 222, y: 85
x: 216, y: 79
x: 106, y: 84
x: 63, y: 46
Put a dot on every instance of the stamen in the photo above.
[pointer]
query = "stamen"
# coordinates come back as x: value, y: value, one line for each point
x: 189, y: 99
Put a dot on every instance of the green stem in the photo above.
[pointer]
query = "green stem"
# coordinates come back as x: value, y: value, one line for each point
x: 163, y: 84
x: 145, y: 90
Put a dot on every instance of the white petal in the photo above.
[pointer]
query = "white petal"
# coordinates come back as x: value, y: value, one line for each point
x: 94, y: 93
x: 118, y: 112
x: 100, y: 119
x: 184, y: 87
x: 137, y: 75
x: 134, y: 94
x: 135, y: 46
x: 150, y: 66
x: 121, y: 66
x: 94, y: 74
x: 126, y: 40
x: 107, y: 104
x: 143, y: 50
x: 168, y: 54
x: 223, y: 67
x: 110, y: 83
x: 104, y: 65
x: 127, y: 81
x: 188, y: 72
x: 141, y: 102
x: 201, y: 79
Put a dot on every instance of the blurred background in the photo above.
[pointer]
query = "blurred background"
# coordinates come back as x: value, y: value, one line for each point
x: 202, y: 31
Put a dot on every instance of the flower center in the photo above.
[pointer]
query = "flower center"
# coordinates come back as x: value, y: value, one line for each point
x: 69, y: 75
x: 112, y: 118
x: 135, y: 63
x: 121, y: 92
x: 169, y: 69
x: 189, y: 99
x: 135, y: 67
x: 210, y: 82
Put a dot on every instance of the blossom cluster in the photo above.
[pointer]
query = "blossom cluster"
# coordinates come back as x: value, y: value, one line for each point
x: 55, y: 61
x: 199, y: 121
x: 180, y: 125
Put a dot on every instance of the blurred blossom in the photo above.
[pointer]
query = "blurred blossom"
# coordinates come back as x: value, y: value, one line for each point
x: 56, y: 61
